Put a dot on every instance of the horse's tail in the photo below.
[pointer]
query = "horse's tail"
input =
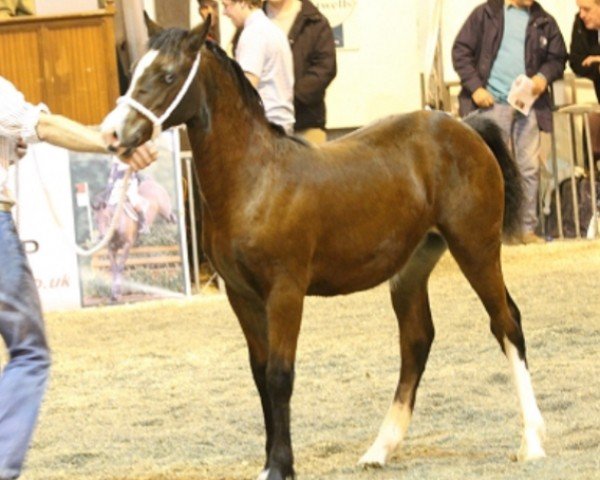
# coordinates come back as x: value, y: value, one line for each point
x: 513, y: 186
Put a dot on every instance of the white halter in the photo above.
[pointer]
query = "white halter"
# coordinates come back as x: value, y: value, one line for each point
x: 158, y: 121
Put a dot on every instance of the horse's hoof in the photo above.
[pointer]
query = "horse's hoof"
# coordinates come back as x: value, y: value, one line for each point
x: 263, y: 475
x: 266, y: 474
x: 531, y: 445
x: 372, y: 459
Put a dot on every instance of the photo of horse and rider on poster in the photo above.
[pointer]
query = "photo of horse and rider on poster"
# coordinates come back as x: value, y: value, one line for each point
x: 144, y: 255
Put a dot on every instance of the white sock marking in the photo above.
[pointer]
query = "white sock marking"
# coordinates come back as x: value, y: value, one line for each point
x: 392, y: 431
x: 533, y: 423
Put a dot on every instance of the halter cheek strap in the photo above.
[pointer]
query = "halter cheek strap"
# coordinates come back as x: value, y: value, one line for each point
x: 157, y: 122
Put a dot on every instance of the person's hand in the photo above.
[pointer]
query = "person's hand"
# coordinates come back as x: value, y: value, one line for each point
x: 137, y: 158
x: 539, y: 85
x: 482, y: 98
x: 140, y: 157
x: 590, y: 60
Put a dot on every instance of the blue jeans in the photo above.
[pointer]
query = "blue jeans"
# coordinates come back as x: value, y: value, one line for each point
x: 23, y: 381
x: 526, y: 143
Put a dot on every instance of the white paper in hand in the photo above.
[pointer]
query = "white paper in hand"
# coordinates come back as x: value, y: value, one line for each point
x: 520, y: 96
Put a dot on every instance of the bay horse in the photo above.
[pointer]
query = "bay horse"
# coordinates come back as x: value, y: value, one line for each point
x: 127, y: 231
x: 284, y: 219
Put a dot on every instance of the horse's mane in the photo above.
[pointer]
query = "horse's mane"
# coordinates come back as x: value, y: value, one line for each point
x: 169, y: 41
x: 249, y: 93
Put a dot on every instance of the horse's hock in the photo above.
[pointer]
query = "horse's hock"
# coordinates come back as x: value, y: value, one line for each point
x: 150, y: 257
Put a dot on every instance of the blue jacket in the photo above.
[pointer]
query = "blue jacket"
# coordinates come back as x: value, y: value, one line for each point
x: 478, y: 42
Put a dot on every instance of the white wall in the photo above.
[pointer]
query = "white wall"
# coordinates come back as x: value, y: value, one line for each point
x: 381, y: 77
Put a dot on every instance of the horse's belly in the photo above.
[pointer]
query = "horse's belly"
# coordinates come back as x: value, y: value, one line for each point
x: 343, y: 277
x: 351, y: 266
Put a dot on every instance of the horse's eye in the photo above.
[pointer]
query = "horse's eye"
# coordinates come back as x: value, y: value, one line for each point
x: 169, y: 78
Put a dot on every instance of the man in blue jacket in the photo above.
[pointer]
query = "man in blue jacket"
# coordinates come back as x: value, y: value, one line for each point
x: 499, y: 41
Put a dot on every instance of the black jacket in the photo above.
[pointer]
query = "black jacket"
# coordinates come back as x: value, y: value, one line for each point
x: 477, y: 44
x: 584, y: 42
x: 313, y: 49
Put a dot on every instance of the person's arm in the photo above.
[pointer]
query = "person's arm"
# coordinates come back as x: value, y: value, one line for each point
x: 464, y: 52
x: 310, y: 87
x: 580, y: 49
x: 64, y: 132
x: 29, y: 123
x: 253, y: 79
x: 250, y: 53
x: 465, y: 57
x: 554, y: 63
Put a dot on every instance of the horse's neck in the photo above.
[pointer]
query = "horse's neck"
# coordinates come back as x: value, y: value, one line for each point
x: 226, y: 147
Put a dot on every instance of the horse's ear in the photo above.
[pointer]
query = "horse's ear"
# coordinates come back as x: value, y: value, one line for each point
x: 152, y: 27
x: 197, y: 35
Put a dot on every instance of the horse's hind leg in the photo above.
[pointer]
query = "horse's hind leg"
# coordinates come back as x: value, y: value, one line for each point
x: 411, y: 305
x: 479, y: 260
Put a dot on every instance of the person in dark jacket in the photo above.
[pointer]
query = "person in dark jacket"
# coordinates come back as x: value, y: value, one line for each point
x: 500, y: 41
x: 313, y: 49
x: 584, y: 55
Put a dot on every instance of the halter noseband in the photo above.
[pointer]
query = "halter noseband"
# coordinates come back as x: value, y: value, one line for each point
x: 158, y: 121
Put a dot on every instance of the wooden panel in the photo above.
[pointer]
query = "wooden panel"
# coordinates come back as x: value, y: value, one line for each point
x: 67, y: 62
x: 80, y: 70
x: 20, y: 60
x: 173, y: 13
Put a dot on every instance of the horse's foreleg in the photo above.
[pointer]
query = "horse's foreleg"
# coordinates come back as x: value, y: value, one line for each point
x: 284, y: 315
x: 482, y: 268
x: 411, y: 305
x: 252, y: 317
x: 115, y: 278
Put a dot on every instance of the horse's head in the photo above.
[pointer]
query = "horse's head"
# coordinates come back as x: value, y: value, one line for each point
x: 162, y: 91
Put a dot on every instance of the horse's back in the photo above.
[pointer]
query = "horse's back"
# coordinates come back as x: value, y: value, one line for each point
x: 383, y: 187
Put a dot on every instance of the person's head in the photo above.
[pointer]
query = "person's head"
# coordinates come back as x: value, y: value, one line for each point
x: 589, y: 12
x: 521, y: 3
x: 239, y: 10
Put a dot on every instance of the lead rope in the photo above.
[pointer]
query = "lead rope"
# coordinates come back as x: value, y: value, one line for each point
x: 83, y: 252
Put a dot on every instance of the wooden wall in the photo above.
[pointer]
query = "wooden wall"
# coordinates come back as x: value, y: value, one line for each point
x: 67, y: 62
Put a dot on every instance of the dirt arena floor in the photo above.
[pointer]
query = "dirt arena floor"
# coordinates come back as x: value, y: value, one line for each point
x: 163, y: 391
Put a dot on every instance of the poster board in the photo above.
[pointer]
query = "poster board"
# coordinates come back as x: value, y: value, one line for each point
x: 55, y: 191
x: 135, y: 266
x: 42, y: 174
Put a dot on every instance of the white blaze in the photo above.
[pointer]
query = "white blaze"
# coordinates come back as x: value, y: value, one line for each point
x: 115, y: 120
